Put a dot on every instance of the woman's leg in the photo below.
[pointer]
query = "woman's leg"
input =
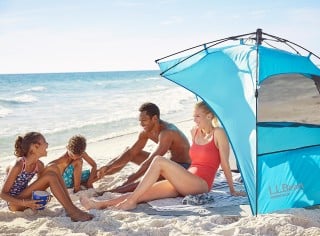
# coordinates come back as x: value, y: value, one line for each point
x: 176, y: 178
x: 54, y: 181
x: 101, y: 204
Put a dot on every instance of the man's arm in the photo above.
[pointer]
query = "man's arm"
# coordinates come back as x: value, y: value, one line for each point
x: 119, y: 162
x: 165, y: 142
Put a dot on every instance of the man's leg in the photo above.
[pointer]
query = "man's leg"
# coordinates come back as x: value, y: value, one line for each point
x: 119, y: 162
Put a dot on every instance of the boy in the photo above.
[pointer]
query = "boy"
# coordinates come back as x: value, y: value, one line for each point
x: 70, y: 164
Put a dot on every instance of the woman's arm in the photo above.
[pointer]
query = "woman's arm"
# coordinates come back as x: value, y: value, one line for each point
x: 224, y: 150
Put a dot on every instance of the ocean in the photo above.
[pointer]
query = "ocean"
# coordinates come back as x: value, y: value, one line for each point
x: 98, y: 105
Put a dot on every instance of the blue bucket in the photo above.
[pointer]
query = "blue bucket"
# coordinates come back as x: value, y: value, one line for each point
x: 43, y: 196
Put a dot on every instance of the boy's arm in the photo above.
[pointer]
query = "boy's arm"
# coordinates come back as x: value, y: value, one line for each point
x: 93, y: 164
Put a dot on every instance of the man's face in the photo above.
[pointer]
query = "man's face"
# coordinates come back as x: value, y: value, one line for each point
x: 146, y: 121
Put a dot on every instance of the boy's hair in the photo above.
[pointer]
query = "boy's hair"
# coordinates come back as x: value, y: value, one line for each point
x: 77, y: 144
x: 151, y: 109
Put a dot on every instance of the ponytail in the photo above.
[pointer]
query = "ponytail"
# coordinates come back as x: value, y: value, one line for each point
x: 23, y: 143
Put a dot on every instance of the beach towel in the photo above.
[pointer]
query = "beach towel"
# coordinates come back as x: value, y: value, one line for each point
x: 219, y: 196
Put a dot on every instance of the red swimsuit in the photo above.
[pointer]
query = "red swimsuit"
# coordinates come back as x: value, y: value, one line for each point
x: 205, y: 161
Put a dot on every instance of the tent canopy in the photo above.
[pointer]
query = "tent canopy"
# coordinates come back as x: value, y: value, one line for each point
x: 229, y: 78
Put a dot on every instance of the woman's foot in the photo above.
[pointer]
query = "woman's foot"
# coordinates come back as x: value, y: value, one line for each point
x: 126, y: 205
x: 88, y: 203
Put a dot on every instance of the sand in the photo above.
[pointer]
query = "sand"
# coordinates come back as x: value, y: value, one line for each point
x: 235, y: 220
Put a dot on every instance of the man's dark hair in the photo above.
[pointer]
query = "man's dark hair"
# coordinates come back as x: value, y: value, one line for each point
x: 151, y: 109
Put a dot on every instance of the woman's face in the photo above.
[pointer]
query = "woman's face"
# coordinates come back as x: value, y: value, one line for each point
x: 200, y: 117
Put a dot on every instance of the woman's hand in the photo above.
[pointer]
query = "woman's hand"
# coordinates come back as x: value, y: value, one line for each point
x: 238, y: 193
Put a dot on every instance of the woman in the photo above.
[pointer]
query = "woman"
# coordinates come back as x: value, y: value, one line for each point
x: 16, y: 189
x: 209, y: 149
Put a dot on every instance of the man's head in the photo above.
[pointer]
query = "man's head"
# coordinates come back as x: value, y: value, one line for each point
x: 149, y: 115
x: 150, y: 109
x: 76, y: 145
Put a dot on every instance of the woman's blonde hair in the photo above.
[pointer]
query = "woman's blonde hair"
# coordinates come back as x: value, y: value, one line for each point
x: 205, y: 107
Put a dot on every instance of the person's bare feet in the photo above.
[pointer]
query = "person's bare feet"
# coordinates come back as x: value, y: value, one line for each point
x: 126, y: 205
x: 87, y: 203
x: 80, y: 216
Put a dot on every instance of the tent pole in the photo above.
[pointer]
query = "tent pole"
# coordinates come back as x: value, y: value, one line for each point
x: 259, y: 40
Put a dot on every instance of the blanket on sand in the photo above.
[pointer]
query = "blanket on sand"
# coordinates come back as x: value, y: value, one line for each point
x: 219, y: 196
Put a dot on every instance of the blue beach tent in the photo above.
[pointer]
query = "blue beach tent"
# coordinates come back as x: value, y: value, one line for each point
x: 246, y: 81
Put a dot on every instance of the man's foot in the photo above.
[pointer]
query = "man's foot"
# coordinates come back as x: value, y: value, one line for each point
x: 88, y: 203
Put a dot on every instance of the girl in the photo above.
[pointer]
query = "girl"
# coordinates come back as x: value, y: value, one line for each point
x: 16, y: 189
x: 210, y: 148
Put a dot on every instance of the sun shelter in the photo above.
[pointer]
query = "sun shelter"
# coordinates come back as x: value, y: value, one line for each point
x: 265, y: 91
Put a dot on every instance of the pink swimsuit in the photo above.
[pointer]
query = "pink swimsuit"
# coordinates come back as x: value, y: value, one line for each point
x: 205, y: 161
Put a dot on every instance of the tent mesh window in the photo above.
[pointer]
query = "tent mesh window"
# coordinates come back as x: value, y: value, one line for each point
x: 290, y: 98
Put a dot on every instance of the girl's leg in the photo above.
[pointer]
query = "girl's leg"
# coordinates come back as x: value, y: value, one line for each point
x: 52, y: 179
x: 55, y: 169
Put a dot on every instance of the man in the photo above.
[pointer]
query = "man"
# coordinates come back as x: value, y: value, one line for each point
x: 168, y: 138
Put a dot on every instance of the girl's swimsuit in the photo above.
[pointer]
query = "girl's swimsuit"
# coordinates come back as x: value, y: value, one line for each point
x: 205, y: 160
x: 22, y: 179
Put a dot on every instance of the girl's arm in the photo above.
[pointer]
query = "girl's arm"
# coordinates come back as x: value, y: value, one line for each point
x: 223, y: 146
x: 11, y: 177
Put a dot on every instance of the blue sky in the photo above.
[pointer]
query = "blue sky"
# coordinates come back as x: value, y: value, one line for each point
x: 103, y: 35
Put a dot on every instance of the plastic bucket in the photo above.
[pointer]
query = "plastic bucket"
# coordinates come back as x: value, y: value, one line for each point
x: 43, y: 196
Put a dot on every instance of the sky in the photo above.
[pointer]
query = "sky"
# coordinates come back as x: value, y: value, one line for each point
x: 49, y: 36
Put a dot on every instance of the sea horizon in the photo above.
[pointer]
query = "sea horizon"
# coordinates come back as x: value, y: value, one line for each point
x: 98, y: 105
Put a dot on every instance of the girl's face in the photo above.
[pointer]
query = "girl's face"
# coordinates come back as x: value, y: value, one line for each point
x: 200, y: 117
x: 42, y: 146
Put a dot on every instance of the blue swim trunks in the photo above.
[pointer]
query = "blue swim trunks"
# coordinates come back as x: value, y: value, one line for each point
x: 68, y: 176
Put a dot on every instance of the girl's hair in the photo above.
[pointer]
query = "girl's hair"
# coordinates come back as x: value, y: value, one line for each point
x: 205, y: 107
x: 23, y: 143
x: 77, y: 144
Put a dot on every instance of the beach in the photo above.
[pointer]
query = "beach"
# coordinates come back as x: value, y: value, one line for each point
x: 106, y: 140
x: 143, y: 221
